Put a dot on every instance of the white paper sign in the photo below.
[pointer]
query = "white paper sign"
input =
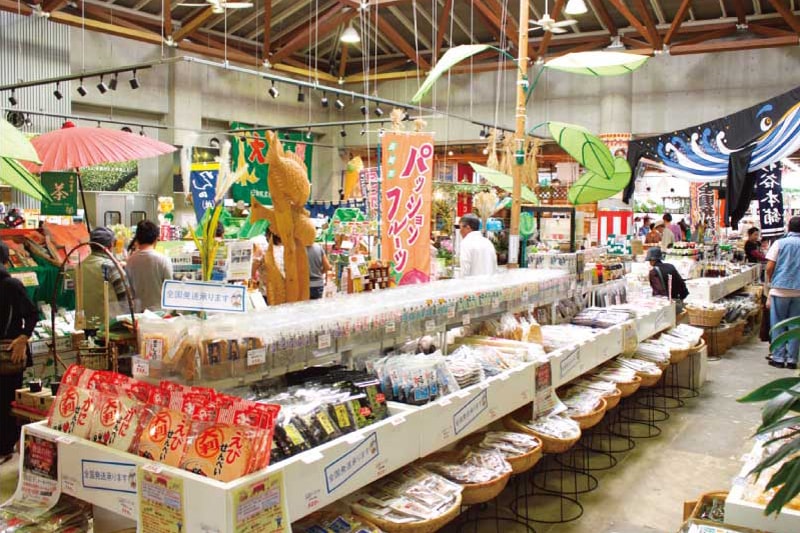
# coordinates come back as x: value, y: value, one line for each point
x: 203, y: 296
x: 240, y: 260
x: 141, y: 367
x: 257, y: 356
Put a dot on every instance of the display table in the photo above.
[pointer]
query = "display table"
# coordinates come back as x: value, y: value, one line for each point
x: 741, y: 512
x: 712, y: 289
x: 47, y: 275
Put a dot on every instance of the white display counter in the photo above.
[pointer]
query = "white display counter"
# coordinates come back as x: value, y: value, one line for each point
x: 703, y: 290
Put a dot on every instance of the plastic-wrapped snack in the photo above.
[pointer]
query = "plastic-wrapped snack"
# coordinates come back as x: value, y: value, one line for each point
x: 334, y: 519
x: 72, y: 411
x: 462, y: 473
x: 116, y: 422
x: 557, y: 426
x: 219, y: 451
x: 488, y: 460
x: 581, y: 401
x: 164, y: 434
x: 214, y: 356
x: 289, y: 437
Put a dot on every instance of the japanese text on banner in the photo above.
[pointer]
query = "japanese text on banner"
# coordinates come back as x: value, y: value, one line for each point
x: 769, y: 194
x: 407, y: 176
x: 203, y: 186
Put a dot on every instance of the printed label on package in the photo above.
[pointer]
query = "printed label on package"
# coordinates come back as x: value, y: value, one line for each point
x: 339, y: 471
x: 261, y: 507
x: 471, y: 411
x: 568, y: 362
x: 202, y: 296
x: 107, y: 475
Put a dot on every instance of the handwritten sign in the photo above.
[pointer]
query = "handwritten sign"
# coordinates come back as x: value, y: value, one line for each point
x: 339, y: 471
x: 471, y: 411
x: 203, y: 296
x: 110, y: 476
x: 257, y: 356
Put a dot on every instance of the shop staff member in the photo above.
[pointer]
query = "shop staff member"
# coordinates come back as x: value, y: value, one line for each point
x: 659, y: 278
x: 96, y: 269
x: 147, y: 269
x: 318, y: 267
x: 18, y: 317
x: 752, y: 247
x: 477, y: 255
x: 783, y: 280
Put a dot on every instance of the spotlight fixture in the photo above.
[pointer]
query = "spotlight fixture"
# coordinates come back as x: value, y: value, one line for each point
x: 12, y: 99
x: 342, y: 132
x: 406, y: 116
x: 141, y: 131
x: 273, y: 91
x: 339, y: 104
x: 485, y: 151
x: 378, y: 112
x: 324, y: 100
x: 113, y: 83
x: 57, y: 93
x: 308, y: 134
x: 363, y: 130
x: 483, y: 133
x: 450, y: 153
x: 134, y: 81
x: 213, y: 142
x: 126, y: 129
x: 364, y: 109
x: 82, y: 89
x: 102, y: 87
x: 301, y: 96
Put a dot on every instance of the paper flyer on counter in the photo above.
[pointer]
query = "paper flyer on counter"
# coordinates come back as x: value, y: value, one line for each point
x: 260, y: 507
x: 39, y: 489
x: 161, y: 504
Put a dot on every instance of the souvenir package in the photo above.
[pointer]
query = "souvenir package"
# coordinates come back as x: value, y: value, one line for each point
x: 513, y: 352
x: 414, y: 379
x: 637, y: 365
x: 654, y: 351
x: 69, y: 515
x: 332, y: 519
x: 556, y: 426
x: 116, y: 421
x: 508, y: 443
x: 687, y: 333
x: 615, y: 374
x: 164, y: 434
x: 72, y: 411
x: 220, y: 451
x: 581, y: 401
x: 602, y: 318
x: 475, y: 466
x: 596, y: 385
x: 555, y: 337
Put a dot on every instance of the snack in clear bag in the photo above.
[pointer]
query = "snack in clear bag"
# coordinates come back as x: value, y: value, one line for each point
x: 557, y: 426
x: 163, y: 436
x: 220, y: 451
x: 159, y: 338
x: 116, y: 422
x: 72, y: 411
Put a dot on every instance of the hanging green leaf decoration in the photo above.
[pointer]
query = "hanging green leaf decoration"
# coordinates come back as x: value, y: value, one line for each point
x: 448, y: 60
x: 598, y: 64
x: 592, y: 187
x: 527, y: 226
x: 504, y: 181
x: 587, y: 149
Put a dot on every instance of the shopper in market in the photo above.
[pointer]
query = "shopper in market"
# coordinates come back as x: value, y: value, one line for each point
x: 667, y: 235
x: 645, y: 229
x: 318, y: 268
x: 18, y: 317
x: 477, y: 254
x: 95, y: 270
x: 674, y: 228
x: 654, y: 235
x: 146, y: 268
x: 752, y: 247
x: 783, y: 298
x: 660, y: 278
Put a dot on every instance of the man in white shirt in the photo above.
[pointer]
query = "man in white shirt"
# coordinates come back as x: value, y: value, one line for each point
x: 667, y: 237
x: 477, y: 254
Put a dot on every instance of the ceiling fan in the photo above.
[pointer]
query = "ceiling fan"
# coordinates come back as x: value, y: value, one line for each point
x: 549, y: 24
x: 219, y: 6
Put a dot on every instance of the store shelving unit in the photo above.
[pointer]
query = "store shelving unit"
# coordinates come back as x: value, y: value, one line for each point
x: 713, y: 289
x: 318, y: 477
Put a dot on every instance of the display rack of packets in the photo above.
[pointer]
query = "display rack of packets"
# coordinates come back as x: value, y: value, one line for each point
x: 619, y: 245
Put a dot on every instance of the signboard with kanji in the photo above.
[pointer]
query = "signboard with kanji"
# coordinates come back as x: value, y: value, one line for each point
x: 203, y: 184
x: 63, y: 189
x: 250, y: 148
x: 769, y: 194
x: 407, y: 187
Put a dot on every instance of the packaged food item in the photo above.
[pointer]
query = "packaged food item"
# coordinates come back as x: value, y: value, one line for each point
x: 72, y: 411
x: 163, y: 436
x: 116, y: 422
x: 219, y: 451
x: 556, y: 426
x: 335, y: 519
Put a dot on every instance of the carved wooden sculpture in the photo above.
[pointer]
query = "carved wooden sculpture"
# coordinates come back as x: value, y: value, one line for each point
x: 289, y: 188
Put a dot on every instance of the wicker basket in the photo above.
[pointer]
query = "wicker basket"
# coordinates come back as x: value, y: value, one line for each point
x: 549, y: 444
x: 425, y: 526
x: 627, y: 388
x: 697, y: 348
x: 738, y: 332
x: 612, y: 400
x: 705, y: 317
x: 519, y: 463
x: 676, y: 355
x: 472, y: 493
x: 592, y: 418
x: 649, y: 380
x: 698, y: 508
x: 718, y: 340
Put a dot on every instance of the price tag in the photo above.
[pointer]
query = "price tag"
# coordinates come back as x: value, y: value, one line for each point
x: 391, y: 327
x: 451, y: 312
x: 465, y: 319
x: 324, y: 341
x: 430, y: 326
x: 257, y: 356
x: 65, y: 440
x: 141, y: 367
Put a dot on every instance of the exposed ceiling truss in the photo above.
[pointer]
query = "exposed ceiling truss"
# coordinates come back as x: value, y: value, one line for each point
x: 400, y: 37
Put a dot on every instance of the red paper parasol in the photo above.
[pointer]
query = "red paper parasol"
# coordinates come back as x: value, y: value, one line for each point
x: 72, y: 147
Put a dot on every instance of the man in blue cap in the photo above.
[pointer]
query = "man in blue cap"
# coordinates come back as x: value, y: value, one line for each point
x: 660, y: 277
x: 95, y: 270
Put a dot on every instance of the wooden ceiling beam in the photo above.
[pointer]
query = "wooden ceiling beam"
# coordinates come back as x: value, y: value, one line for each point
x: 786, y: 12
x: 707, y: 36
x: 267, y: 29
x: 603, y: 16
x: 548, y: 35
x: 768, y: 31
x: 193, y: 24
x: 585, y: 47
x: 108, y: 16
x: 167, y: 11
x: 631, y: 18
x: 677, y: 21
x: 741, y: 13
x: 644, y: 13
x: 50, y: 6
x: 730, y: 46
x: 343, y: 61
x: 298, y: 23
x: 397, y: 40
x: 326, y: 23
x: 490, y: 12
x: 408, y: 25
x: 630, y: 41
x: 512, y: 28
x: 441, y: 27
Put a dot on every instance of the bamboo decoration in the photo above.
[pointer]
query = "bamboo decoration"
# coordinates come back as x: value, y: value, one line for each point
x: 491, y: 161
x: 288, y: 219
x: 531, y: 170
x: 507, y: 155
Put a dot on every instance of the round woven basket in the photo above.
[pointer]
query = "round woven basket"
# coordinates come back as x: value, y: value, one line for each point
x: 424, y: 526
x: 519, y: 463
x: 592, y: 418
x: 472, y: 493
x: 676, y: 355
x: 649, y: 380
x: 627, y: 388
x: 550, y: 444
x: 697, y: 348
x: 663, y: 366
x: 705, y: 317
x: 612, y: 400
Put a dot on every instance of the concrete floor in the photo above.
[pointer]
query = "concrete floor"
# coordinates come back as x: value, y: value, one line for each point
x: 698, y: 451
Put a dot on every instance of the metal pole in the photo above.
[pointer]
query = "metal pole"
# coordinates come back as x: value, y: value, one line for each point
x: 519, y: 134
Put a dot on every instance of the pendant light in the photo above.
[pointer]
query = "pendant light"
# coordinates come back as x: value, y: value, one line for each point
x: 350, y: 35
x: 575, y: 7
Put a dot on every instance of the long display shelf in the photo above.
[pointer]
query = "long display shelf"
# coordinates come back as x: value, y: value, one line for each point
x: 318, y: 477
x: 713, y: 289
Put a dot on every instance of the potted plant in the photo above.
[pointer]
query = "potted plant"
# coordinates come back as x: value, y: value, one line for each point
x: 782, y: 397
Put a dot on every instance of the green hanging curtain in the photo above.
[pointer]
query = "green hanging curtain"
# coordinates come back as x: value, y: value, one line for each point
x: 592, y: 187
x: 504, y: 181
x: 18, y: 177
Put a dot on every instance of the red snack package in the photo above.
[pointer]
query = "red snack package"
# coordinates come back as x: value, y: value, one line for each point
x: 116, y: 421
x: 136, y: 390
x: 260, y: 416
x: 163, y: 436
x: 220, y: 451
x: 158, y: 397
x: 72, y: 411
x: 72, y: 374
x: 198, y: 407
